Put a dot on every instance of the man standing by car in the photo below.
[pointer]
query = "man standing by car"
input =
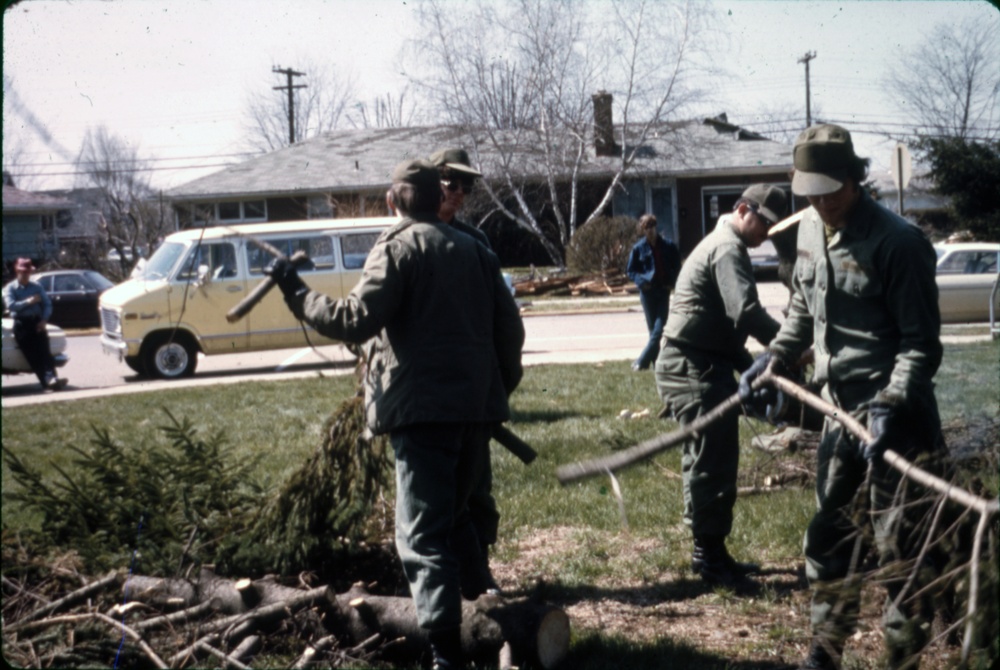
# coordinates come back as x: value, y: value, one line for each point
x: 445, y: 352
x: 865, y: 298
x: 653, y: 265
x: 457, y: 179
x: 31, y: 308
x: 715, y: 309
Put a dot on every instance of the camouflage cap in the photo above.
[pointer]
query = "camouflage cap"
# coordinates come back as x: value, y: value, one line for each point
x: 771, y: 201
x: 822, y: 157
x: 454, y: 159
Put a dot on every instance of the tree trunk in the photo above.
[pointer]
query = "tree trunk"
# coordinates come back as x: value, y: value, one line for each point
x: 531, y: 634
x: 537, y: 634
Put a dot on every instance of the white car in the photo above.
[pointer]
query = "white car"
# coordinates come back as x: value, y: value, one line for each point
x: 14, y: 362
x: 966, y: 275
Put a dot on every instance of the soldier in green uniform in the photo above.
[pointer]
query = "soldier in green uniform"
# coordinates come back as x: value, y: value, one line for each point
x: 865, y: 298
x: 444, y: 353
x: 457, y: 179
x: 715, y: 308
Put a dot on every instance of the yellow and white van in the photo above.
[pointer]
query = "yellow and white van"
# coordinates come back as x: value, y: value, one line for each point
x: 158, y: 321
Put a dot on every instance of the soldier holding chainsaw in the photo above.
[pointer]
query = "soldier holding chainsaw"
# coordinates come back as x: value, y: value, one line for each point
x: 865, y: 298
x: 445, y: 352
x: 715, y: 308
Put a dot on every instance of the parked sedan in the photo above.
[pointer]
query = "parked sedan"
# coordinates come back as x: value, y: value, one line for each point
x: 14, y: 361
x: 74, y: 295
x: 966, y: 273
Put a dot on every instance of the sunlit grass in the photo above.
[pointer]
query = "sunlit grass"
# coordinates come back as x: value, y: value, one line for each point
x: 567, y: 413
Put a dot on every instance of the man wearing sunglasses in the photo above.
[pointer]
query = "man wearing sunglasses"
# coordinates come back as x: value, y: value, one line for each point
x: 457, y: 179
x: 714, y: 309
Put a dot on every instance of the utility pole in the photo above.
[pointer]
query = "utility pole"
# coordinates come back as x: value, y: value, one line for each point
x: 805, y: 59
x: 288, y: 72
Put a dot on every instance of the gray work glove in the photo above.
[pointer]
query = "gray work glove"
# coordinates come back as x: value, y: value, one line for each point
x: 884, y: 428
x: 765, y: 402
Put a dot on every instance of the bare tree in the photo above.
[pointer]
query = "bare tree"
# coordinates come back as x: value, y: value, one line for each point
x: 949, y: 86
x: 319, y: 107
x: 388, y: 111
x: 132, y: 221
x: 518, y: 79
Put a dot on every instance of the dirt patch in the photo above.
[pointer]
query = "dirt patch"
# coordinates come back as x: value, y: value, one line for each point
x: 770, y: 626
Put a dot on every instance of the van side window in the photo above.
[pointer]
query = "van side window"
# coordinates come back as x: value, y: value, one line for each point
x: 355, y: 248
x: 318, y: 248
x: 220, y: 257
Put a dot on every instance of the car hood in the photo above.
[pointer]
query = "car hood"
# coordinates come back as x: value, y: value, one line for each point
x: 129, y: 290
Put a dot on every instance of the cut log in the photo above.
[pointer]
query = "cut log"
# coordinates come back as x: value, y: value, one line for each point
x: 538, y: 634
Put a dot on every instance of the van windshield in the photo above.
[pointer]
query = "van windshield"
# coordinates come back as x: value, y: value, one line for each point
x: 163, y: 261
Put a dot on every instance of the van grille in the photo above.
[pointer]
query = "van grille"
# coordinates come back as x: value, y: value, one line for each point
x: 111, y: 321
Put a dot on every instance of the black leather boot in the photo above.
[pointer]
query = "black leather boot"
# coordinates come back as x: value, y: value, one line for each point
x: 446, y: 647
x: 713, y: 564
x: 822, y: 656
x: 736, y: 566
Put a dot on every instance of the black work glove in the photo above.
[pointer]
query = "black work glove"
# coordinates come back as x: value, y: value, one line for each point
x: 283, y: 272
x: 884, y: 427
x: 767, y: 402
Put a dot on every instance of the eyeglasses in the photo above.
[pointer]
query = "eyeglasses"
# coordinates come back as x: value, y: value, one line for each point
x: 456, y: 184
x: 767, y: 222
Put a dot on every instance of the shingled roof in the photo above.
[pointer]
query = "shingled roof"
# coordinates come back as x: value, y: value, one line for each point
x: 16, y: 201
x: 344, y: 161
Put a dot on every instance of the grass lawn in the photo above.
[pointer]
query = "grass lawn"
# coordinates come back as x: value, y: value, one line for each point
x: 621, y: 571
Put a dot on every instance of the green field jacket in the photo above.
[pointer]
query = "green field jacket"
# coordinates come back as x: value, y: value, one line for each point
x: 445, y: 333
x: 868, y: 302
x: 715, y: 306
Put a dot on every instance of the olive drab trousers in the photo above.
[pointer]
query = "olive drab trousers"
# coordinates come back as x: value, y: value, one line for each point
x: 692, y: 383
x: 853, y: 505
x: 436, y: 467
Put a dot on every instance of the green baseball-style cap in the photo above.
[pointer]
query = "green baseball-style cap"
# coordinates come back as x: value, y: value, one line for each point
x: 454, y: 159
x: 419, y: 173
x: 771, y: 201
x: 822, y: 157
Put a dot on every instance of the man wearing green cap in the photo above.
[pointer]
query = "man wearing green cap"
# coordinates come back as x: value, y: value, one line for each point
x: 457, y: 179
x: 445, y: 349
x: 865, y: 298
x: 714, y: 309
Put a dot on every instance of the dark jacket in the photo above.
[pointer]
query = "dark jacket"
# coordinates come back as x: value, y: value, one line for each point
x: 447, y: 332
x: 642, y: 266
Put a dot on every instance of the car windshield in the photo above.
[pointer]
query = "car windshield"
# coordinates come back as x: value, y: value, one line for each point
x: 163, y: 261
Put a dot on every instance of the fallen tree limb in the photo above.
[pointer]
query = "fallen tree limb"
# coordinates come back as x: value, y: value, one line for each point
x: 71, y: 598
x: 572, y: 472
x: 914, y: 472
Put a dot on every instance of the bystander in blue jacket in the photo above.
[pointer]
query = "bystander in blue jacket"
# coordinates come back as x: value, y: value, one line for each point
x: 653, y: 264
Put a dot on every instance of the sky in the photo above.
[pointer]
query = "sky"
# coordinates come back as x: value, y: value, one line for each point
x: 172, y: 77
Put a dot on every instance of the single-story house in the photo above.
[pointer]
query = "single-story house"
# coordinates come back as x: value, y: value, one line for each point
x: 30, y: 227
x: 686, y: 173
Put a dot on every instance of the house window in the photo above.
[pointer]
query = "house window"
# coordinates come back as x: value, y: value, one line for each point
x: 719, y: 200
x: 229, y: 211
x: 320, y: 207
x: 637, y: 197
x: 243, y: 211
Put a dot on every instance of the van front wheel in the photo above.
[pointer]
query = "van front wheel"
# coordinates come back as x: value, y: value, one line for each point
x: 170, y: 358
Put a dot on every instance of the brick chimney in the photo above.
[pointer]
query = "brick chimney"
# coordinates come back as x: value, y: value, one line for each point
x: 604, y: 132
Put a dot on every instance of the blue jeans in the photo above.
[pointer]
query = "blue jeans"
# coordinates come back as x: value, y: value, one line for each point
x: 655, y: 305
